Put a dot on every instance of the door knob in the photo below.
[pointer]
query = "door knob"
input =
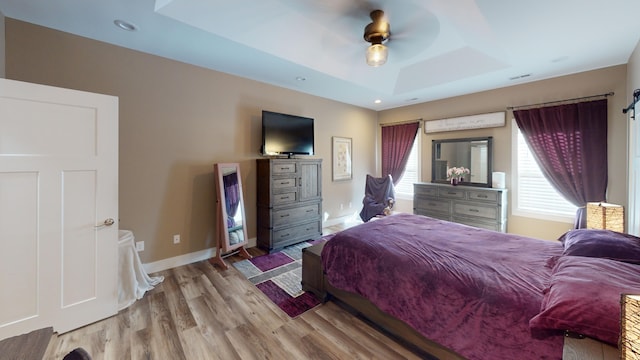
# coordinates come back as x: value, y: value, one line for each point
x: 107, y: 222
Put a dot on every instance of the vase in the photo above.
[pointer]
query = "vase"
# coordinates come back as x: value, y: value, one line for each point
x: 460, y: 179
x: 454, y: 181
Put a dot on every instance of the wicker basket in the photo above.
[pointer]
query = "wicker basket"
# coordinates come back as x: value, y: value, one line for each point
x: 601, y: 215
x: 630, y: 326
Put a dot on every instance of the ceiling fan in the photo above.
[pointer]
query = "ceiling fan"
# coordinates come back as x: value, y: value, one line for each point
x: 415, y: 27
x: 377, y: 33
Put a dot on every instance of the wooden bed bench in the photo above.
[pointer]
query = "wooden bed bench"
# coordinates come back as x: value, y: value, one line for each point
x: 312, y: 276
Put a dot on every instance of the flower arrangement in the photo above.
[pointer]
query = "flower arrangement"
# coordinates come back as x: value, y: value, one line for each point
x: 457, y: 172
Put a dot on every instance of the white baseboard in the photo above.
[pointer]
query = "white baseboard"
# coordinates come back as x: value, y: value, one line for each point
x: 355, y: 217
x: 211, y: 252
x: 185, y: 259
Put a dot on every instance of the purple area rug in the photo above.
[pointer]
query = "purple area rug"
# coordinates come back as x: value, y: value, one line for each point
x: 271, y: 261
x: 278, y: 276
x: 293, y: 306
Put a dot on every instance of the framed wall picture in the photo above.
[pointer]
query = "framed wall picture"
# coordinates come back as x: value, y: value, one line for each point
x: 342, y: 169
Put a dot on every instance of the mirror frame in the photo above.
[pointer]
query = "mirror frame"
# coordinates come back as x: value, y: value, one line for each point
x: 224, y: 247
x: 434, y: 146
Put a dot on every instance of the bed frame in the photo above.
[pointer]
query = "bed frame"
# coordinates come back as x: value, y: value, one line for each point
x: 313, y: 280
x: 389, y: 325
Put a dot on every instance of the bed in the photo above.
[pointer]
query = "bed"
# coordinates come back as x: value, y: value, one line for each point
x: 458, y: 292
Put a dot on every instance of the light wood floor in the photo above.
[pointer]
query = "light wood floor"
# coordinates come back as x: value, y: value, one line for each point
x: 202, y: 312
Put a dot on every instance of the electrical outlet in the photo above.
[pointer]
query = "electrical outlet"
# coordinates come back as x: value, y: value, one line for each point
x: 139, y: 246
x: 176, y: 239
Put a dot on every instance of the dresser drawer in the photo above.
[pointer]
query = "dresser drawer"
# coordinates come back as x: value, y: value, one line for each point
x: 293, y: 215
x: 284, y: 198
x: 431, y: 204
x: 472, y: 210
x: 451, y: 192
x: 432, y: 214
x: 284, y: 168
x: 423, y: 190
x: 488, y: 196
x: 283, y: 183
x: 297, y: 233
x: 479, y: 224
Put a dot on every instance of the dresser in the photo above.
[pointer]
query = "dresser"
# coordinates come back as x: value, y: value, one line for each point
x: 289, y: 201
x: 480, y: 207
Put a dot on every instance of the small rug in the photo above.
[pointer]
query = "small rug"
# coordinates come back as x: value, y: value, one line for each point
x: 278, y: 276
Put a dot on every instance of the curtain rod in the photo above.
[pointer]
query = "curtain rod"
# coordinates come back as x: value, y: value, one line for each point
x: 559, y: 101
x: 402, y: 122
x: 636, y: 98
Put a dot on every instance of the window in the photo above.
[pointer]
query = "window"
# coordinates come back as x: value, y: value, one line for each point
x: 534, y: 196
x: 411, y: 175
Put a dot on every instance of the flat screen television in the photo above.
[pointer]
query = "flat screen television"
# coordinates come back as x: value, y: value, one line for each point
x: 284, y: 134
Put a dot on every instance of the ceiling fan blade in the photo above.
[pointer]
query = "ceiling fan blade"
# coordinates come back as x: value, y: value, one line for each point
x: 413, y: 35
x: 353, y: 9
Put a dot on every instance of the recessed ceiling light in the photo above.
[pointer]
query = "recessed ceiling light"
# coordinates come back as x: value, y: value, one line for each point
x: 377, y: 101
x: 412, y: 99
x: 560, y: 59
x: 125, y: 25
x: 301, y: 78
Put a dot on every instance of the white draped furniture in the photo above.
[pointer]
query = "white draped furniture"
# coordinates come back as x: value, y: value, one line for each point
x: 133, y: 281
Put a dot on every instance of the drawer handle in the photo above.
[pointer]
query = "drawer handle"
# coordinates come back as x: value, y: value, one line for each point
x: 474, y: 210
x: 284, y: 216
x: 310, y: 210
x: 451, y: 193
x: 283, y: 236
x: 431, y: 204
x: 482, y: 196
x: 284, y: 198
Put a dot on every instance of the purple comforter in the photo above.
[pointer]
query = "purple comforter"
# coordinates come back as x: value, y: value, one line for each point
x: 471, y: 290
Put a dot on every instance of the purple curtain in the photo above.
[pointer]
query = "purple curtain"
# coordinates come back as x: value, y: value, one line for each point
x: 397, y: 141
x: 232, y: 196
x: 569, y: 142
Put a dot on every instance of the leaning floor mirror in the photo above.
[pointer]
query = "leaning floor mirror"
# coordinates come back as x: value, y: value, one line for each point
x: 231, y: 222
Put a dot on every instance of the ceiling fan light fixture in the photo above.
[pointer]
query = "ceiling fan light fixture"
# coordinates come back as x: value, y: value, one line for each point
x: 377, y: 55
x: 376, y: 33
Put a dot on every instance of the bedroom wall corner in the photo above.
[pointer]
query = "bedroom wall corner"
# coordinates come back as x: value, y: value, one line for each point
x: 2, y: 46
x: 177, y: 120
x: 632, y: 212
x: 633, y: 71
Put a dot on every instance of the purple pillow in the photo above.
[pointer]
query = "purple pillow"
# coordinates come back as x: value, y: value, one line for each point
x: 603, y: 244
x: 583, y: 296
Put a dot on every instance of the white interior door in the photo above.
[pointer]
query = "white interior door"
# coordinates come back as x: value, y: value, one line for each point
x: 478, y: 163
x: 58, y: 186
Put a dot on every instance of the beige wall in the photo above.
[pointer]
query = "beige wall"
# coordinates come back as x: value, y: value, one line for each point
x: 566, y: 87
x: 176, y: 121
x: 2, y: 46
